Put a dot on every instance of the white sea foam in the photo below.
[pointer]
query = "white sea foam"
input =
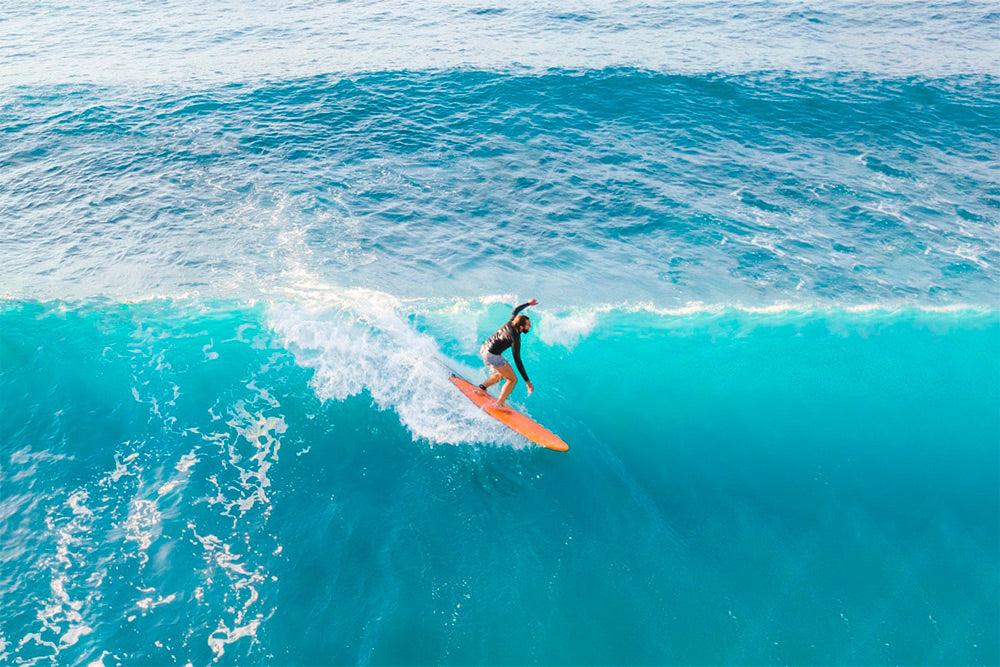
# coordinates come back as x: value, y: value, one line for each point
x: 62, y: 614
x: 148, y: 603
x: 566, y: 330
x: 223, y: 635
x: 76, y: 503
x: 361, y: 340
x: 263, y: 434
x: 804, y: 308
x: 167, y: 488
x: 122, y: 467
x: 208, y: 352
x: 142, y: 525
x: 100, y: 661
x: 245, y: 581
x: 186, y: 462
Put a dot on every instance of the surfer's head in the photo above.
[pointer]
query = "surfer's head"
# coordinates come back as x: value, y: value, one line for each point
x: 522, y: 323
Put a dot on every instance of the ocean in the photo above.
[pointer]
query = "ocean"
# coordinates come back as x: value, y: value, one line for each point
x: 241, y: 249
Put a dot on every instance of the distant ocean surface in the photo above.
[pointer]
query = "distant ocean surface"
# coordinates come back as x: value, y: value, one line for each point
x: 240, y: 248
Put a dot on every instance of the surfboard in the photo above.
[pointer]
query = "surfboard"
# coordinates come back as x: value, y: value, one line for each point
x: 510, y: 417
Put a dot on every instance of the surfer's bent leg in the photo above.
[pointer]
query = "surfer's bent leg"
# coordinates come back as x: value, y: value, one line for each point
x: 494, y: 362
x: 490, y: 381
x: 507, y: 372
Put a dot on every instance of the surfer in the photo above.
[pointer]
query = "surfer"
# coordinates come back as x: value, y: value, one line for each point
x: 507, y: 336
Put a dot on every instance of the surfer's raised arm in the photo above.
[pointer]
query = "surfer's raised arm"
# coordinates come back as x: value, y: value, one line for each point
x: 517, y: 310
x: 507, y: 336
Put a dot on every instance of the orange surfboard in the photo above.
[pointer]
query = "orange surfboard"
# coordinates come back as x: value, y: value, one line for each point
x: 510, y: 417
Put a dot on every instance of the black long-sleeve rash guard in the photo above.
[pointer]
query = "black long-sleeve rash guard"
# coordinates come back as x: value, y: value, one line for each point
x: 509, y: 337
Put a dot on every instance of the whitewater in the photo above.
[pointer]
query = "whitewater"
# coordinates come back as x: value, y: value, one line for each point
x: 240, y: 252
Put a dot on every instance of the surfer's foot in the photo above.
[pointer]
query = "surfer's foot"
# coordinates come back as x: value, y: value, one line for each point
x: 498, y: 405
x: 483, y: 387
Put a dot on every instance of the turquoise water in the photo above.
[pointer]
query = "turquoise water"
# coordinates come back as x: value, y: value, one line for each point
x: 239, y: 252
x: 201, y: 481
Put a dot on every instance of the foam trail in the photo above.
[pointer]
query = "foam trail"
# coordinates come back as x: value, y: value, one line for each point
x: 361, y: 340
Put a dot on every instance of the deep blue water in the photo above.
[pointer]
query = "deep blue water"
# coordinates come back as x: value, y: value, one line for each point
x: 240, y: 250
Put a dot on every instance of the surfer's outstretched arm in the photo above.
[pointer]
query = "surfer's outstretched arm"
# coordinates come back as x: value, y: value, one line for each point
x: 520, y: 308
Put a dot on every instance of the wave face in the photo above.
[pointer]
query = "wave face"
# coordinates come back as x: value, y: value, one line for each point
x: 240, y: 251
x: 290, y: 483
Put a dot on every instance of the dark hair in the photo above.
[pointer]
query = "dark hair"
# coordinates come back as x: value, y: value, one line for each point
x: 520, y: 319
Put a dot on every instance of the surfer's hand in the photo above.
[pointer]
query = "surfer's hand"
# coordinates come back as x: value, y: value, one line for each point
x: 531, y: 388
x: 533, y: 302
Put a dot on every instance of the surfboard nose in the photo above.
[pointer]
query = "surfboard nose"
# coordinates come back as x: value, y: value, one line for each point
x: 509, y: 417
